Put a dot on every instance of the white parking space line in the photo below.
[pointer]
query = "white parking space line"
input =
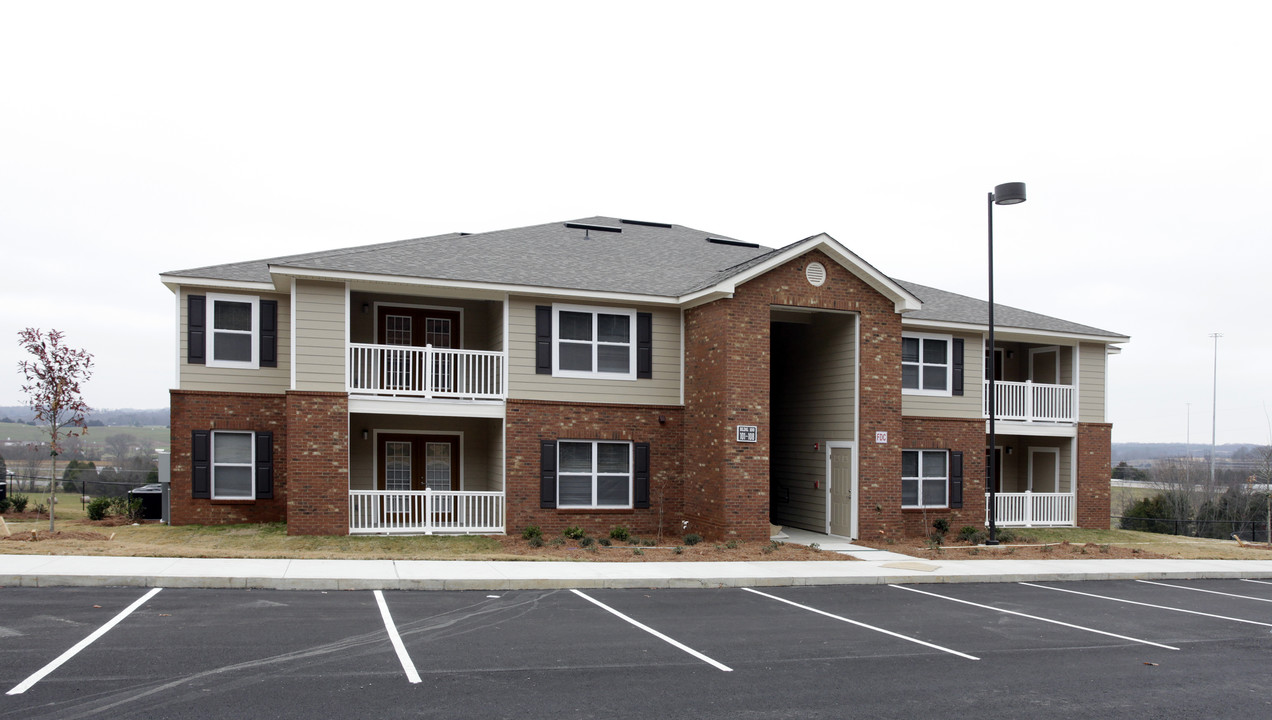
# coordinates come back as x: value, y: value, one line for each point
x: 42, y: 672
x: 1035, y: 617
x: 1144, y: 604
x: 864, y: 625
x: 655, y: 633
x: 1201, y: 590
x: 1261, y: 582
x: 407, y: 665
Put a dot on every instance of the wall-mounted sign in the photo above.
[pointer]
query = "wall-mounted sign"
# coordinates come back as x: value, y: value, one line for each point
x: 881, y: 437
x: 748, y: 433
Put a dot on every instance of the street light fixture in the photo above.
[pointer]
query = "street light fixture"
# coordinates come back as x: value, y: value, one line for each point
x: 1005, y: 194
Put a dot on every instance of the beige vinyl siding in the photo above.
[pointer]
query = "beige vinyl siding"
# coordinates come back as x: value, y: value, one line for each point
x: 481, y: 321
x: 481, y: 446
x: 259, y: 380
x: 1016, y: 465
x: 970, y: 403
x: 320, y: 336
x: 525, y: 384
x: 1092, y: 365
x: 813, y: 399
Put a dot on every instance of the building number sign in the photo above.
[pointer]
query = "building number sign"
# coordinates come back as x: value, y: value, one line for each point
x: 748, y: 433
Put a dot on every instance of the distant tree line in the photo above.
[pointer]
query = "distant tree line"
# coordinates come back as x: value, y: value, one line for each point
x: 96, y: 418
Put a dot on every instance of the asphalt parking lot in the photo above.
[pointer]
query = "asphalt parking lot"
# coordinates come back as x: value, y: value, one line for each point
x: 1093, y: 649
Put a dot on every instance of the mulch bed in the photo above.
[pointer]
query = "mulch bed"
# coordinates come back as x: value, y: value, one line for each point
x: 703, y: 551
x: 1033, y: 551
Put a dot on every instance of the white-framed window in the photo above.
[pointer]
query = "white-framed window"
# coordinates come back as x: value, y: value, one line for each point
x: 233, y: 328
x: 926, y: 364
x: 593, y: 342
x: 594, y: 474
x: 925, y: 477
x: 233, y: 462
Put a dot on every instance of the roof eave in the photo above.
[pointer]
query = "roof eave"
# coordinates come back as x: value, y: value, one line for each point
x: 172, y: 282
x: 979, y: 328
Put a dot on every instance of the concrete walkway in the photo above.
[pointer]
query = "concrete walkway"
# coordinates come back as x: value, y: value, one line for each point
x: 837, y: 543
x: 62, y: 570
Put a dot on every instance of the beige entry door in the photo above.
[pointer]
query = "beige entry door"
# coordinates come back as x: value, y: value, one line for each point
x: 839, y: 468
x: 1044, y: 469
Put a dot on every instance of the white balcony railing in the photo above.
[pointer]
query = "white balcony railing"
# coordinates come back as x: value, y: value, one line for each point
x: 1031, y: 509
x: 427, y: 372
x: 1032, y: 402
x: 425, y: 512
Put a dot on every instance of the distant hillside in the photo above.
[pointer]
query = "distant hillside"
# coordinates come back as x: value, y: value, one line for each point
x: 1135, y: 453
x: 124, y: 417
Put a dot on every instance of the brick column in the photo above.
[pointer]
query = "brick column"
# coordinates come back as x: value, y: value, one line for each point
x: 1095, y: 468
x: 317, y: 463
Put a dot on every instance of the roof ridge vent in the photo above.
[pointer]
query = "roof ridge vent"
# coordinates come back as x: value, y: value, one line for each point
x: 646, y: 223
x: 598, y: 228
x: 727, y: 241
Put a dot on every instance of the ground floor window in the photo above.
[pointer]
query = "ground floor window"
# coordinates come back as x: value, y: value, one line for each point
x: 594, y: 473
x: 924, y: 478
x: 232, y: 464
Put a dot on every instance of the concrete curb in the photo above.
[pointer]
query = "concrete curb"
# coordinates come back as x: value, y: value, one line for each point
x: 74, y: 571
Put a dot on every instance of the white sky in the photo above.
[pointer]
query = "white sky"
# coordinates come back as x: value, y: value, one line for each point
x: 137, y: 138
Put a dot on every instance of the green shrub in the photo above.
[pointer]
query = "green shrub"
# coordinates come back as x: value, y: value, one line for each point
x: 966, y: 533
x: 574, y: 532
x: 678, y: 550
x: 124, y: 507
x: 814, y: 547
x: 650, y: 542
x: 733, y: 545
x: 637, y: 551
x: 19, y: 502
x: 4, y: 505
x: 620, y: 533
x: 41, y: 509
x: 531, y: 531
x: 557, y: 542
x: 98, y: 508
x: 941, y: 526
x: 535, y: 540
x: 586, y: 542
x: 693, y: 539
x: 605, y: 541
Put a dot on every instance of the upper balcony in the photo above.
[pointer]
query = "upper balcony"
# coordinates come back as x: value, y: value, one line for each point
x: 1029, y: 401
x: 427, y: 372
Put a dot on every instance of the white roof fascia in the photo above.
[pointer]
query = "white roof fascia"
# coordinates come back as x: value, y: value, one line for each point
x: 285, y: 271
x: 1044, y: 334
x: 902, y: 299
x: 175, y: 281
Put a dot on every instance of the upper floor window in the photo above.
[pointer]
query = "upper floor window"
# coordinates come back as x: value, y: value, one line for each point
x: 593, y: 342
x: 927, y: 363
x: 233, y: 331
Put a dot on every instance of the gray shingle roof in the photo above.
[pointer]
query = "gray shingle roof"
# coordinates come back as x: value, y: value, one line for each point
x: 643, y: 259
x: 943, y: 306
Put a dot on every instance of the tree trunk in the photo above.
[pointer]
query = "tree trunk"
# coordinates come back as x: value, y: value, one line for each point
x: 52, y: 491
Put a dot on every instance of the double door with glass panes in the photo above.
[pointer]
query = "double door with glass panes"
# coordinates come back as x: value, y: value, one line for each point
x: 410, y: 462
x: 408, y: 370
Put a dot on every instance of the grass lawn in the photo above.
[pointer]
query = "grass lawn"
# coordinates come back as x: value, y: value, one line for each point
x: 1175, y: 546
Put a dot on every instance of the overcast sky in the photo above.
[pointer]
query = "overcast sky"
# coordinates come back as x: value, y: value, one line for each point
x: 137, y: 138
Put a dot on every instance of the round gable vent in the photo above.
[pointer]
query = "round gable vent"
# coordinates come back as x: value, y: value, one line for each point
x: 816, y: 274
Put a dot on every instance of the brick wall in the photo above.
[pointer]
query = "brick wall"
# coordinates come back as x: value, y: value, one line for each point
x: 1095, y: 467
x: 531, y: 421
x: 966, y: 436
x: 318, y: 463
x: 727, y: 365
x: 199, y: 410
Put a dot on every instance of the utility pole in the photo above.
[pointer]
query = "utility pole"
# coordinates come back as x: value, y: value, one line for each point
x: 1214, y: 411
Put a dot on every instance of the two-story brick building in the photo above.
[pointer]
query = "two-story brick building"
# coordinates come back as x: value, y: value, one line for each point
x: 603, y: 372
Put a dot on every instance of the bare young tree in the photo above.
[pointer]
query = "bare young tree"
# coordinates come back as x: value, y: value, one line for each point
x: 51, y: 382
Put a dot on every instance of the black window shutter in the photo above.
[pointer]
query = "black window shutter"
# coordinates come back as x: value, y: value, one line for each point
x: 269, y: 333
x: 644, y: 345
x: 547, y: 474
x: 200, y: 467
x: 956, y: 479
x: 641, y: 484
x: 543, y: 341
x: 196, y: 325
x: 264, y: 465
x: 957, y: 353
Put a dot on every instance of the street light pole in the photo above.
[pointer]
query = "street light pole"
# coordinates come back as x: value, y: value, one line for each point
x: 1214, y: 411
x: 1005, y: 194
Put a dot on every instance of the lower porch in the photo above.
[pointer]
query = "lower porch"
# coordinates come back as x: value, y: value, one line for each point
x: 425, y: 475
x: 1036, y: 484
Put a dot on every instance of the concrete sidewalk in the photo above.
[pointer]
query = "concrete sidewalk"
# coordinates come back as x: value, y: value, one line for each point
x: 64, y: 570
